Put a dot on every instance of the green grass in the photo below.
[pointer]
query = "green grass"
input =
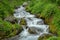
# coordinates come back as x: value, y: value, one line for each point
x: 49, y: 10
x: 7, y: 7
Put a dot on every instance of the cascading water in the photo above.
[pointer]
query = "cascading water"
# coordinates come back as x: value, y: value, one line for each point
x: 33, y: 23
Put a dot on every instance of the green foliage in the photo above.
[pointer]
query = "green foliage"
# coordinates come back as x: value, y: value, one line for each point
x: 56, y: 19
x: 48, y: 9
x: 5, y: 26
x: 54, y: 38
x: 7, y: 7
x: 9, y: 29
x: 45, y: 8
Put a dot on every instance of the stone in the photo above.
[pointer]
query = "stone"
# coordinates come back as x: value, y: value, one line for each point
x: 11, y: 19
x: 25, y: 4
x: 32, y: 31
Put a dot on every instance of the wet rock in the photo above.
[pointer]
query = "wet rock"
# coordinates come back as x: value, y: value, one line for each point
x: 11, y: 19
x: 34, y: 30
x: 45, y: 36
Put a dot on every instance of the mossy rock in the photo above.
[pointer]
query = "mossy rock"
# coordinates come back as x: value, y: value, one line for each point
x: 45, y: 36
x: 23, y: 22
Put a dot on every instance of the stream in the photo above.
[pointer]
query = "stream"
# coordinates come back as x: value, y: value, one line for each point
x: 34, y: 24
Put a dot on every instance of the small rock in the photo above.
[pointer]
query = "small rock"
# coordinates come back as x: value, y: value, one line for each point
x: 10, y: 19
x: 25, y: 4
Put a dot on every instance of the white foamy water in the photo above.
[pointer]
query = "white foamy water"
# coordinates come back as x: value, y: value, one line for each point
x: 32, y: 22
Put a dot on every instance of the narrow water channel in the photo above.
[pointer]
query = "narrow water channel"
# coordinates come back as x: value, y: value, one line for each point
x: 34, y: 24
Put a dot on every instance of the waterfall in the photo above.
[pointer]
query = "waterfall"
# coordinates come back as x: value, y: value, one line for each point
x: 33, y: 23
